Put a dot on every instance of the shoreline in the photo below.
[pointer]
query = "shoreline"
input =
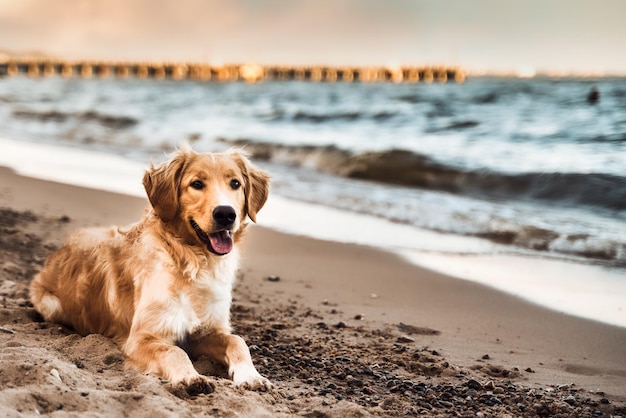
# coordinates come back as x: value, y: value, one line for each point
x: 474, y: 322
x: 565, y: 288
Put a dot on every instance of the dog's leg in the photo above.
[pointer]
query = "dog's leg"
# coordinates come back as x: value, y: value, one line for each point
x: 155, y: 355
x: 232, y: 351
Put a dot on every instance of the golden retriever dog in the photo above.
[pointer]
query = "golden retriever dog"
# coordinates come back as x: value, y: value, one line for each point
x: 161, y: 288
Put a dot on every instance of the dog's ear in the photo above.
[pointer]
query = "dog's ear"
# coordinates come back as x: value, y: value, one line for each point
x: 256, y: 186
x: 162, y: 184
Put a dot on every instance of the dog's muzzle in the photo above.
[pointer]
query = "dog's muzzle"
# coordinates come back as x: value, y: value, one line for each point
x: 218, y: 242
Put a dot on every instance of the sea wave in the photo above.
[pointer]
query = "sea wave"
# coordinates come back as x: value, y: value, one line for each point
x: 586, y: 246
x: 455, y: 126
x: 406, y: 168
x: 106, y: 120
x: 308, y: 116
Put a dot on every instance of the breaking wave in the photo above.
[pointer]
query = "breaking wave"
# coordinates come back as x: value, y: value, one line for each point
x: 406, y: 168
x: 579, y: 245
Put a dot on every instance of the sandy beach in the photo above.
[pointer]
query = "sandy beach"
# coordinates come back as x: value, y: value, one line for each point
x: 341, y: 330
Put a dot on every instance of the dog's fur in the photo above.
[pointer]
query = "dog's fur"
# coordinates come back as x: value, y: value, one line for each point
x: 161, y: 288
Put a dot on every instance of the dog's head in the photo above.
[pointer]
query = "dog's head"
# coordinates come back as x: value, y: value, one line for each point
x: 206, y: 197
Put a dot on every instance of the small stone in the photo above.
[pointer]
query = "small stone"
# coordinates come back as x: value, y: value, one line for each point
x: 473, y: 384
x: 446, y: 404
x: 571, y: 400
x: 471, y: 393
x: 486, y: 357
x: 340, y: 324
x: 359, y: 317
x: 373, y: 296
x: 55, y: 373
x: 273, y: 278
x: 529, y: 370
x: 405, y: 339
x: 6, y: 330
x: 489, y: 385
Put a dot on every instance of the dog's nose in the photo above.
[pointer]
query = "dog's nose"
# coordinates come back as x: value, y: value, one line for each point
x: 224, y: 216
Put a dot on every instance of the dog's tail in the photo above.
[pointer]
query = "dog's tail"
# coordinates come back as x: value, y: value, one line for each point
x: 45, y: 302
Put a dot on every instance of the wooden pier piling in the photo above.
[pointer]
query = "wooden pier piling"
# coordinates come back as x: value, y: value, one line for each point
x: 251, y: 73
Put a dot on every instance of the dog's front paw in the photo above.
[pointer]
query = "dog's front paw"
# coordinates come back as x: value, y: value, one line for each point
x: 190, y: 387
x: 249, y: 378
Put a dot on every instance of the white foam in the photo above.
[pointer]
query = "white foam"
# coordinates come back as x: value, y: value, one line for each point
x: 581, y: 290
x: 332, y: 224
x: 79, y: 167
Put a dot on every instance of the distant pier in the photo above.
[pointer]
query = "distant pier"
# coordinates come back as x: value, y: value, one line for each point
x: 250, y: 73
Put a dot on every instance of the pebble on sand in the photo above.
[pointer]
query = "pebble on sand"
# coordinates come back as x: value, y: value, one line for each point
x: 55, y: 373
x: 405, y: 339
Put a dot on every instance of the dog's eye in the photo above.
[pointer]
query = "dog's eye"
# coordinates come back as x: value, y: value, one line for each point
x: 235, y: 184
x: 197, y: 184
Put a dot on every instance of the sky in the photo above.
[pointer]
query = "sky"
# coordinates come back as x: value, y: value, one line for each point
x: 562, y: 36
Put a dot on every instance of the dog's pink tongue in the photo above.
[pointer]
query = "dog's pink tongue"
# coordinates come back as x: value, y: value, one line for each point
x: 221, y: 242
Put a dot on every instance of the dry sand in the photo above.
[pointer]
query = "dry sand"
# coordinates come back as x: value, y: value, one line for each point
x: 341, y: 330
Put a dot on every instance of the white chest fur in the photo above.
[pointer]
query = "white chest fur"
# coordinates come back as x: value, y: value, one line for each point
x: 174, y: 311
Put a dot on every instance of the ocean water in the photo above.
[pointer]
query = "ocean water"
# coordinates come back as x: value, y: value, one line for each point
x: 490, y: 170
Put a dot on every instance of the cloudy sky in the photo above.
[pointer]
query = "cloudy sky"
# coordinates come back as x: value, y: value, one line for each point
x: 497, y: 35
